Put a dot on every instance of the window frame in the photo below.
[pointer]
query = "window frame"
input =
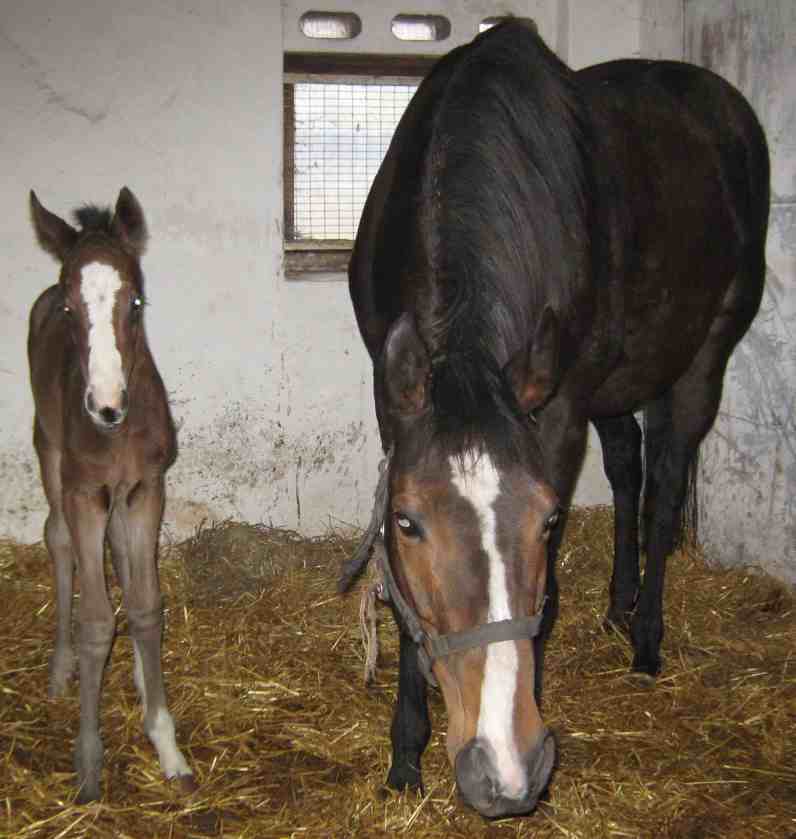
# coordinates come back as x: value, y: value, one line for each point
x: 308, y: 258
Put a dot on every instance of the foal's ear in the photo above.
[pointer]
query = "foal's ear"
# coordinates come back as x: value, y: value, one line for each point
x: 405, y: 369
x: 54, y: 234
x: 128, y: 223
x: 533, y: 372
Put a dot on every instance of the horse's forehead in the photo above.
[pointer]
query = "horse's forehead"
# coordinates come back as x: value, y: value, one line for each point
x: 477, y: 479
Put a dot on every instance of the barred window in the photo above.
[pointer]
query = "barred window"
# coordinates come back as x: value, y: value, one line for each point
x: 340, y: 113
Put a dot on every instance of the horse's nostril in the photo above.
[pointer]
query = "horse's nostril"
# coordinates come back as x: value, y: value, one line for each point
x: 109, y: 415
x: 475, y: 775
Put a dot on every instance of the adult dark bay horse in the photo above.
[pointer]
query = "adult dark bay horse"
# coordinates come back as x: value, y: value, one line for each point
x: 540, y: 249
x: 104, y: 436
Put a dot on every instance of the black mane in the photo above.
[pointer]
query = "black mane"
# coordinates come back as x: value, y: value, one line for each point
x: 503, y: 224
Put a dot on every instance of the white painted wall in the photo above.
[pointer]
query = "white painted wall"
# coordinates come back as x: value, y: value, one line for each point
x: 748, y: 474
x: 270, y: 385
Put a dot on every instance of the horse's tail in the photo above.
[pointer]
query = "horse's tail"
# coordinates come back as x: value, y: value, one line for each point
x: 687, y: 529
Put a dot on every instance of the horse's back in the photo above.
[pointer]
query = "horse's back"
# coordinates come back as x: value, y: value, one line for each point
x: 684, y: 183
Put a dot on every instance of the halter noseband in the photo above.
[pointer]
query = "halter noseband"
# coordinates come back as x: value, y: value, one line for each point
x: 429, y: 648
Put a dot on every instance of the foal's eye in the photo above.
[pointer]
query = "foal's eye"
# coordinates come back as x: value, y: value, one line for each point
x: 135, y: 306
x: 407, y: 526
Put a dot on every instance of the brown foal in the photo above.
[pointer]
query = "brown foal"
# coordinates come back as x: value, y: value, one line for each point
x: 104, y: 436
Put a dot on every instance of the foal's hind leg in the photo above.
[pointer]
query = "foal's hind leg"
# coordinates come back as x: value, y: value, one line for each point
x: 137, y: 527
x: 621, y: 443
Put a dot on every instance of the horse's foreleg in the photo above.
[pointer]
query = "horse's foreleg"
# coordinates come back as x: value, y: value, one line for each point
x: 87, y: 517
x: 621, y: 444
x: 411, y: 726
x: 145, y: 619
x: 563, y: 432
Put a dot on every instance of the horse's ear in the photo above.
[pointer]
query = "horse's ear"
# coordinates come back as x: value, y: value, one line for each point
x: 533, y: 372
x: 405, y: 369
x: 128, y: 223
x: 54, y: 234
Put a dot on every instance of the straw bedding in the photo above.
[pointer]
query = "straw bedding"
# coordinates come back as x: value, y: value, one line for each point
x: 263, y: 665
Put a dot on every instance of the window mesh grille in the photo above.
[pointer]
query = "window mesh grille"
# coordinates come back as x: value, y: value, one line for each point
x: 341, y: 134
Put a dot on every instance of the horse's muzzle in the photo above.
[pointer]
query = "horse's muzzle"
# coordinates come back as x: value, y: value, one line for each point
x: 479, y: 783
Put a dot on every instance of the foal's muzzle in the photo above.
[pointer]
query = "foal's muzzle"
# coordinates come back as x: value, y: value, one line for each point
x: 479, y: 782
x: 107, y: 417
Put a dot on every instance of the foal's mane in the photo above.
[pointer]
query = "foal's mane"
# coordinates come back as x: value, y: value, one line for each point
x: 93, y: 218
x: 503, y: 223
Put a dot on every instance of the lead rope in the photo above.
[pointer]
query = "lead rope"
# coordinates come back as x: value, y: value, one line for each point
x: 374, y: 591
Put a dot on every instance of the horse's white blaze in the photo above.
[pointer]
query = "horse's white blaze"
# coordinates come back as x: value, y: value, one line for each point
x: 479, y: 483
x: 99, y: 287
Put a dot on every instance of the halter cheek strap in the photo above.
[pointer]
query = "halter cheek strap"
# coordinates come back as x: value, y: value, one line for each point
x: 429, y: 648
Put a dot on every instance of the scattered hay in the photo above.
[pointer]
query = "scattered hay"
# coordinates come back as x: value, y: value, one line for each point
x: 263, y: 665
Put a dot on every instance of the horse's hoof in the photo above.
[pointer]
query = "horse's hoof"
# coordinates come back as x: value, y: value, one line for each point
x: 402, y: 779
x: 617, y: 622
x: 645, y: 668
x: 184, y: 784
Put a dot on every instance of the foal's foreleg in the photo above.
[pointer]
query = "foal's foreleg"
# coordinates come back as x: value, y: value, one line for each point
x: 59, y: 545
x: 411, y: 726
x: 145, y: 619
x: 87, y: 517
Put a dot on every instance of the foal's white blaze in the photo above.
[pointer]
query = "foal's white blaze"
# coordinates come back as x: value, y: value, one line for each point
x: 479, y: 483
x: 99, y: 287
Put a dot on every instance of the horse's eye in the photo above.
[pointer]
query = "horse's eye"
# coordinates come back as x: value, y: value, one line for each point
x: 136, y: 306
x: 407, y: 526
x: 552, y: 520
x: 67, y: 310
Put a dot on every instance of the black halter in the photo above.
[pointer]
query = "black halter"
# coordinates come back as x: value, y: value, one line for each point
x: 429, y: 648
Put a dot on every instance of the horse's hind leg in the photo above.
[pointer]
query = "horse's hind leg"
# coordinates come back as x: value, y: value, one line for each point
x: 137, y: 526
x: 677, y: 424
x: 621, y: 444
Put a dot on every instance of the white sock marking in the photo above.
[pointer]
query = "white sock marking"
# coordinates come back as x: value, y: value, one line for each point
x: 99, y: 287
x: 162, y: 736
x: 479, y: 483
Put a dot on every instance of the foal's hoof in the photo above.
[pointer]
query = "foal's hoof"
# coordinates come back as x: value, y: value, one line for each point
x: 184, y: 784
x: 89, y: 791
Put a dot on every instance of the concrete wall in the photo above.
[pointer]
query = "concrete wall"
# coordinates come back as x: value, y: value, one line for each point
x: 270, y: 385
x: 748, y: 496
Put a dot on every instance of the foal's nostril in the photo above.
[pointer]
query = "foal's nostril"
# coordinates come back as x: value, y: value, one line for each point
x: 109, y: 415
